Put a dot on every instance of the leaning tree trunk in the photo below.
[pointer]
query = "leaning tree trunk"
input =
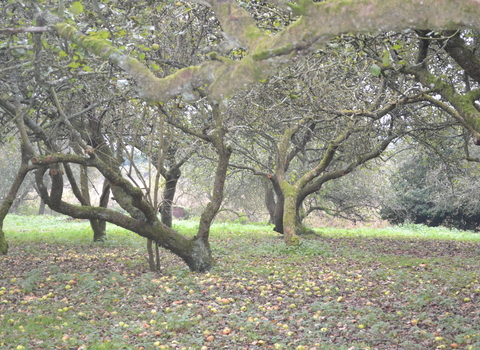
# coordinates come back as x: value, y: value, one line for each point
x: 7, y: 203
x: 192, y: 251
x: 201, y: 243
x: 142, y: 217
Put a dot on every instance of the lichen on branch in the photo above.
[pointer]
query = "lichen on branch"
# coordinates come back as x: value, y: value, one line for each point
x: 151, y: 88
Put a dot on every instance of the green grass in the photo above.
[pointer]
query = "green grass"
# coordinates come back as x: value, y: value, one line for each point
x: 409, y: 287
x: 408, y: 231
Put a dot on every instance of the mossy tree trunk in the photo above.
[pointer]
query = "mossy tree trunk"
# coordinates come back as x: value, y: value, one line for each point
x: 285, y: 210
x: 281, y: 215
x: 99, y: 228
x: 289, y: 214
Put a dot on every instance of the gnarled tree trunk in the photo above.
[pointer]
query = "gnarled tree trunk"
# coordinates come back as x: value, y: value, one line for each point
x: 290, y: 214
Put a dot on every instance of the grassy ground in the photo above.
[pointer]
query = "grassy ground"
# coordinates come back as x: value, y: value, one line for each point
x: 396, y: 288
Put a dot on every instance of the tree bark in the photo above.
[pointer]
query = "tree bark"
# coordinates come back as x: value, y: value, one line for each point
x: 3, y: 243
x: 82, y: 194
x: 278, y: 223
x: 463, y: 55
x: 290, y: 214
x: 26, y: 153
x: 99, y: 230
x: 171, y: 180
x: 165, y: 209
x: 270, y: 203
x: 153, y: 258
x: 285, y: 192
x: 7, y: 203
x: 301, y: 228
x: 99, y: 227
x: 41, y: 207
x: 279, y: 203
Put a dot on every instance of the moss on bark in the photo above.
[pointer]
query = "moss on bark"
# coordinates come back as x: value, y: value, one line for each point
x: 201, y: 256
x: 303, y: 230
x: 290, y: 215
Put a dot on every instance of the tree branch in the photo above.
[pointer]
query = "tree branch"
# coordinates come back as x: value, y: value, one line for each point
x: 23, y: 30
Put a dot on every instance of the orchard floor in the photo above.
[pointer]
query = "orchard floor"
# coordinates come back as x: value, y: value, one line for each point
x: 60, y: 291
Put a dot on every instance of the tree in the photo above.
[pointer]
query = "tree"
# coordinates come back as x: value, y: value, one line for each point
x: 430, y: 182
x: 161, y: 145
x: 301, y: 128
x: 355, y: 197
x: 81, y: 129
